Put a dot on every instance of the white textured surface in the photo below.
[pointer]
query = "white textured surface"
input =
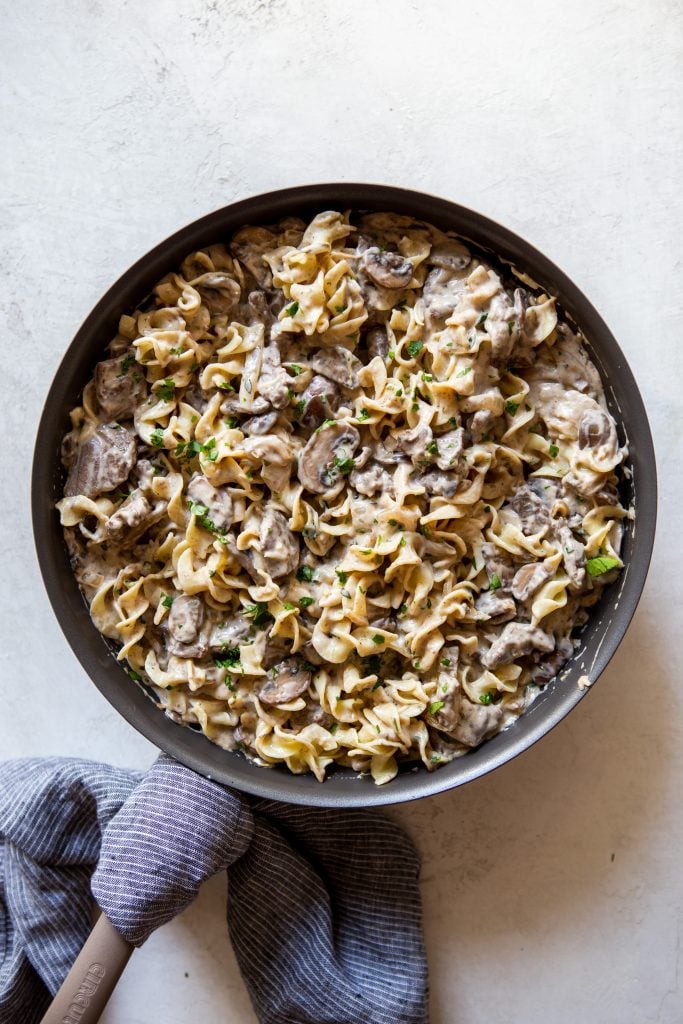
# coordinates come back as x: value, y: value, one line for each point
x: 553, y: 888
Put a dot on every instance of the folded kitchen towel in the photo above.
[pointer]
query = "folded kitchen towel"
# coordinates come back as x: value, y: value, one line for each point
x: 324, y: 905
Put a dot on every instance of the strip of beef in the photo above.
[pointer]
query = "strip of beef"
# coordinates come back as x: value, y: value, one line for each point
x: 119, y: 387
x: 184, y: 622
x: 516, y: 640
x: 132, y: 518
x: 533, y: 513
x: 528, y: 579
x: 103, y: 462
x: 495, y: 607
x: 216, y: 501
x: 279, y: 546
x: 477, y: 722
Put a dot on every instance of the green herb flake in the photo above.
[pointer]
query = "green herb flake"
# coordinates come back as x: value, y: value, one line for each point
x: 167, y: 601
x: 342, y: 576
x: 377, y: 639
x: 485, y: 698
x: 157, y: 438
x: 304, y: 602
x: 601, y: 564
x: 228, y: 658
x: 511, y: 406
x: 304, y: 574
x: 292, y: 309
x: 333, y: 728
x: 436, y: 706
x: 225, y: 385
x: 494, y: 582
x: 126, y: 364
x: 296, y: 369
x: 463, y: 373
x: 363, y: 415
x: 289, y: 606
x: 433, y: 448
x: 258, y: 613
x: 481, y: 320
x: 340, y: 309
x: 445, y: 662
x: 344, y: 465
x: 135, y: 676
x: 300, y: 407
x: 414, y: 348
x: 553, y: 451
x: 166, y: 389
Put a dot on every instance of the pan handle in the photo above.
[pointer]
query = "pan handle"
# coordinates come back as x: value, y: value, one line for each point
x: 93, y: 977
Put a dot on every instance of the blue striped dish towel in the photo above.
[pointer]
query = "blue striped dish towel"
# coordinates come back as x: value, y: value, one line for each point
x: 324, y: 906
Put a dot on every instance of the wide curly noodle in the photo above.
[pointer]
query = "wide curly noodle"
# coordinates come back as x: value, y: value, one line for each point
x: 341, y: 493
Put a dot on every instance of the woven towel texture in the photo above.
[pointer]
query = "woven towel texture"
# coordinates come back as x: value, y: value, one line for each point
x: 323, y: 910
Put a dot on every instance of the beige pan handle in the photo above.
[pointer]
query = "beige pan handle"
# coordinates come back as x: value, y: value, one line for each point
x: 93, y: 977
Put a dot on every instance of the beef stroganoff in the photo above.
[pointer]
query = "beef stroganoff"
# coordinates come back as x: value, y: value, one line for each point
x: 341, y: 492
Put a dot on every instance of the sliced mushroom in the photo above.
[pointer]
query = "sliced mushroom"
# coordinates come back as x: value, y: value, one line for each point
x: 217, y: 501
x: 337, y: 364
x: 279, y: 546
x: 529, y: 578
x: 119, y: 387
x: 441, y: 293
x: 387, y: 269
x: 102, y: 463
x: 257, y: 406
x: 597, y: 430
x: 450, y: 255
x: 257, y: 425
x: 290, y: 680
x: 328, y: 456
x: 516, y: 640
x: 220, y: 292
x: 320, y: 401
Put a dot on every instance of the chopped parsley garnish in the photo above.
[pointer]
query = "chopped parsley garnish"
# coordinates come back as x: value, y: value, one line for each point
x: 414, y: 348
x: 377, y: 639
x: 485, y: 698
x: 167, y: 601
x: 126, y: 364
x: 135, y: 676
x: 300, y: 406
x: 339, y: 309
x: 511, y: 406
x: 553, y: 450
x: 481, y: 320
x: 344, y: 465
x: 232, y: 423
x: 157, y: 438
x: 228, y: 658
x: 445, y: 662
x: 426, y: 377
x: 494, y: 582
x: 292, y: 309
x: 403, y: 609
x: 463, y: 373
x: 371, y: 665
x: 258, y: 613
x: 333, y: 728
x: 166, y: 389
x: 304, y: 602
x: 363, y: 415
x: 289, y: 606
x: 342, y: 576
x: 304, y: 573
x: 433, y: 448
x: 225, y: 385
x: 296, y: 369
x: 436, y: 706
x: 601, y: 564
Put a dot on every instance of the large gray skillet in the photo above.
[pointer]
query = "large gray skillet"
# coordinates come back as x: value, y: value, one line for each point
x: 343, y: 788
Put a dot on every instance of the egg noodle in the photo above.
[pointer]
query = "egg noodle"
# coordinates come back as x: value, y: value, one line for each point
x: 340, y: 493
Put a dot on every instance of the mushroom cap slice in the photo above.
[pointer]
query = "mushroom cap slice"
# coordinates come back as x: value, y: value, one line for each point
x: 387, y: 269
x: 328, y: 456
x: 290, y: 680
x: 450, y: 255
